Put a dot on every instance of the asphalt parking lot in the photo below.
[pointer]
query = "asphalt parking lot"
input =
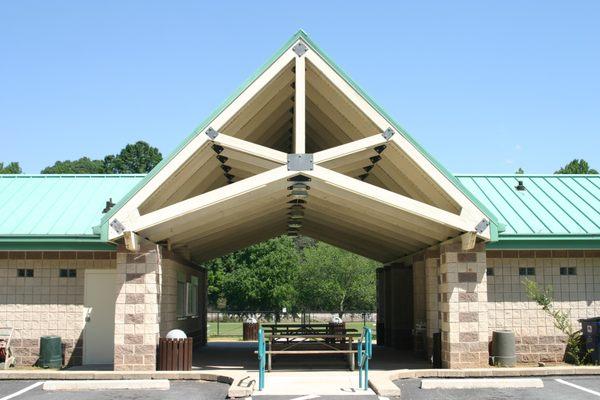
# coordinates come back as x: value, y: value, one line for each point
x: 555, y: 388
x: 180, y: 390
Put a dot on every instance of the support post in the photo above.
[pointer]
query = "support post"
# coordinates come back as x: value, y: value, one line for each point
x: 137, y: 307
x: 300, y: 106
x: 463, y: 305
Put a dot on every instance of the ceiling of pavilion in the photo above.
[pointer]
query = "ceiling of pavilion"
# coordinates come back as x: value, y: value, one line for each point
x: 234, y: 189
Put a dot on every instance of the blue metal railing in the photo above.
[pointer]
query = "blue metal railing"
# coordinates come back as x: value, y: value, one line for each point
x: 364, y: 354
x: 261, y: 358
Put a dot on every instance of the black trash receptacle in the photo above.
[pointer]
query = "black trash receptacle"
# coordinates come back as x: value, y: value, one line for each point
x: 590, y: 329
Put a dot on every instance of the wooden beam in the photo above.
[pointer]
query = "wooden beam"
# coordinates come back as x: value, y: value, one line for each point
x: 184, y: 209
x: 250, y: 148
x: 390, y: 199
x: 348, y: 149
x: 300, y: 106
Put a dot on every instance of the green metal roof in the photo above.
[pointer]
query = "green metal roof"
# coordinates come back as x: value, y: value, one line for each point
x: 553, y: 210
x: 57, y: 207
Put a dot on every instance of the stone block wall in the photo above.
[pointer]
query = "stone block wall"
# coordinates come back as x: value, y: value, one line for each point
x: 510, y: 308
x: 193, y: 326
x: 46, y: 304
x: 137, y: 308
x: 463, y: 306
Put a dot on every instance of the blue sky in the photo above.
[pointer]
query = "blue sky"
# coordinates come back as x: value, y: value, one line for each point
x: 486, y: 87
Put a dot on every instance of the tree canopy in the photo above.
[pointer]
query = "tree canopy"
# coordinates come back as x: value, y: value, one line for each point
x: 137, y: 158
x: 10, y: 168
x: 577, y: 167
x: 299, y: 274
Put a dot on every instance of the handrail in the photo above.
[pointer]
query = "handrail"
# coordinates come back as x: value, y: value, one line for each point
x: 365, y: 352
x: 261, y: 358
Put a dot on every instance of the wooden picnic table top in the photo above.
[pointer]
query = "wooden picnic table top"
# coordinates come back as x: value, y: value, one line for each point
x: 314, y: 335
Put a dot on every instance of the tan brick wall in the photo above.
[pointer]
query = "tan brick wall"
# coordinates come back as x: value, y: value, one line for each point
x: 193, y: 326
x: 46, y: 304
x: 463, y: 306
x: 510, y: 308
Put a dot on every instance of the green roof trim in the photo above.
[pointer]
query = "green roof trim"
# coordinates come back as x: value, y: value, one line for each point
x: 495, y: 227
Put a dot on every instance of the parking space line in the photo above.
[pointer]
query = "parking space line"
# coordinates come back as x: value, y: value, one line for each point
x: 25, y: 389
x: 590, y: 391
x: 307, y: 397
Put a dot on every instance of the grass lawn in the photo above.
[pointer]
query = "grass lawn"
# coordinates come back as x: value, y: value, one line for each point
x: 233, y: 330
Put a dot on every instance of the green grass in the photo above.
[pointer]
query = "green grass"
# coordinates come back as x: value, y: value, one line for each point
x: 234, y: 329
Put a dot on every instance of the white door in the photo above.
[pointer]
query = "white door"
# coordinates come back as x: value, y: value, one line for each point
x: 99, y: 301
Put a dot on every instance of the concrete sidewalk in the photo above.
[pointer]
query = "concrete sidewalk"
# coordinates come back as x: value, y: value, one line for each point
x: 323, y: 383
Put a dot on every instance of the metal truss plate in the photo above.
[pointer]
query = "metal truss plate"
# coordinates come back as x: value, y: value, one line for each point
x: 117, y: 226
x: 387, y: 134
x: 480, y: 227
x: 211, y: 133
x: 300, y: 162
x: 300, y: 48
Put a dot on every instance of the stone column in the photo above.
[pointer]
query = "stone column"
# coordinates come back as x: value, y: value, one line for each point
x: 463, y: 306
x: 137, y: 308
x: 432, y: 270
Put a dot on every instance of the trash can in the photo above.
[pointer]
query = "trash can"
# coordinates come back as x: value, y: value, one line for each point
x: 590, y: 330
x: 50, y: 352
x: 175, y: 352
x: 250, y: 329
x: 503, y: 348
x: 336, y: 327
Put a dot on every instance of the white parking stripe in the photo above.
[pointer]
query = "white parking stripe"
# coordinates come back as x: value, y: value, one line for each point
x: 307, y: 397
x: 590, y: 391
x: 26, y: 389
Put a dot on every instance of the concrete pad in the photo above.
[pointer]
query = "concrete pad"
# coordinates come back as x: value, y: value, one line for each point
x: 382, y: 385
x: 482, y: 383
x: 136, y: 384
x: 320, y: 383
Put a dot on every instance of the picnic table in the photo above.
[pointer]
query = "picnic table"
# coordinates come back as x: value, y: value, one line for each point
x: 309, y: 339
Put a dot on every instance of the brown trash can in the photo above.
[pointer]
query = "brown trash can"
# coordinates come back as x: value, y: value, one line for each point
x: 250, y: 330
x: 337, y: 328
x: 175, y: 354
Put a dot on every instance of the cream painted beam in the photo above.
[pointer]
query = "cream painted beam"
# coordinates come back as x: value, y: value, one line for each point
x: 253, y: 149
x: 129, y: 211
x: 184, y: 209
x: 350, y: 148
x: 469, y: 210
x: 391, y: 199
x: 300, y: 106
x: 274, y: 192
x: 411, y: 224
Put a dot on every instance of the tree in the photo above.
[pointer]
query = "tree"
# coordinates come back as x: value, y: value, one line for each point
x: 261, y: 277
x: 137, y: 158
x: 330, y: 279
x: 10, y: 168
x: 577, y: 167
x: 84, y: 165
x: 520, y: 171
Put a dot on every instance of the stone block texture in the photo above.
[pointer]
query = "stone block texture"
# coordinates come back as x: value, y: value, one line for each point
x: 463, y: 306
x: 46, y: 304
x: 510, y: 308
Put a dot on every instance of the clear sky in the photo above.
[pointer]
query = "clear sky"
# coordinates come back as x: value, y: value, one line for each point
x: 486, y: 87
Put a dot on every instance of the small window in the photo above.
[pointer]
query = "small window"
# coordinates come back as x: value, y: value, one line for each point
x: 490, y: 271
x: 568, y: 271
x: 25, y: 273
x: 527, y: 271
x: 181, y: 295
x: 67, y: 273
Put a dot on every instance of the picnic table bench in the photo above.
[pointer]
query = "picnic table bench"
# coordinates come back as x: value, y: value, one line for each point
x: 315, y: 339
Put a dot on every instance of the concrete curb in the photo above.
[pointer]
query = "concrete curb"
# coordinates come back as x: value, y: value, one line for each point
x: 481, y: 383
x: 382, y: 382
x: 240, y: 383
x: 118, y: 384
